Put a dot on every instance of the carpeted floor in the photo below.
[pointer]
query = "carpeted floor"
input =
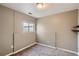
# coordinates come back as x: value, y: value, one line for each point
x: 38, y: 50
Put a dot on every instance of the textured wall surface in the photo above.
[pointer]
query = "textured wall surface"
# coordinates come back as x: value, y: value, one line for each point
x: 12, y: 21
x: 22, y: 39
x: 61, y: 24
x: 6, y: 30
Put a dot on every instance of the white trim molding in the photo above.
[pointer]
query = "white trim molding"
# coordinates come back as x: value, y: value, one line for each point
x: 59, y: 48
x: 22, y: 49
x: 46, y: 45
x: 42, y: 45
x: 66, y: 50
x: 9, y: 54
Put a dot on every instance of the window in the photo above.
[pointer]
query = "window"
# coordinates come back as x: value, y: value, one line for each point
x: 31, y: 27
x: 25, y: 25
x: 28, y: 27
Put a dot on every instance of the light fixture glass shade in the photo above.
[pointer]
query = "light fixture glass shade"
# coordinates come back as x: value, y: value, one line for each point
x: 40, y: 5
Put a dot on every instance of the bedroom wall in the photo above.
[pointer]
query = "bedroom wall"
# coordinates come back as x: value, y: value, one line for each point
x: 6, y: 30
x: 58, y: 29
x: 22, y: 39
x: 11, y: 22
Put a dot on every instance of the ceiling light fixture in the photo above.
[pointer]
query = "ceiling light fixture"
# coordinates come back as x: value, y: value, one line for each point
x: 40, y: 5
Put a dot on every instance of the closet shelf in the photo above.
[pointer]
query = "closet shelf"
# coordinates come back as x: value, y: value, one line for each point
x: 76, y: 28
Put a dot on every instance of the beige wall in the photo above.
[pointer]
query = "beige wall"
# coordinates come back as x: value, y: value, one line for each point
x: 12, y: 21
x: 61, y: 24
x: 22, y: 39
x: 6, y: 30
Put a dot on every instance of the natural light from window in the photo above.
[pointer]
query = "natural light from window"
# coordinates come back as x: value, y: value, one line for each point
x: 28, y: 27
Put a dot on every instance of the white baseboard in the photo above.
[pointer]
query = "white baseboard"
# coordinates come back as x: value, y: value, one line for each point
x: 67, y: 50
x: 42, y: 45
x: 58, y: 48
x: 22, y: 49
x: 46, y: 45
x: 9, y: 54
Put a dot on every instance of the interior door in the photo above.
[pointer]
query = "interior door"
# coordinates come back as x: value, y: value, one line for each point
x: 6, y: 30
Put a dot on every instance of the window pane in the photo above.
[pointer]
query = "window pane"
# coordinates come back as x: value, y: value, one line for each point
x: 25, y: 27
x: 28, y: 27
x: 25, y: 24
x: 25, y: 30
x: 31, y: 27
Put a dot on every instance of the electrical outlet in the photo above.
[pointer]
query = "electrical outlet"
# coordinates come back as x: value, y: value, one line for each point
x: 12, y: 46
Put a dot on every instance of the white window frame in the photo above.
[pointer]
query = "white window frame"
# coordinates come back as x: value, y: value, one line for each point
x: 29, y: 27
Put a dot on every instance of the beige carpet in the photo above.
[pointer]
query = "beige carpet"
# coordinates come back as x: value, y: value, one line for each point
x: 38, y: 50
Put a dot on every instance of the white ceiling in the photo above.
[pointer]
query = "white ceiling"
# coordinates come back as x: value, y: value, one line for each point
x: 50, y: 8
